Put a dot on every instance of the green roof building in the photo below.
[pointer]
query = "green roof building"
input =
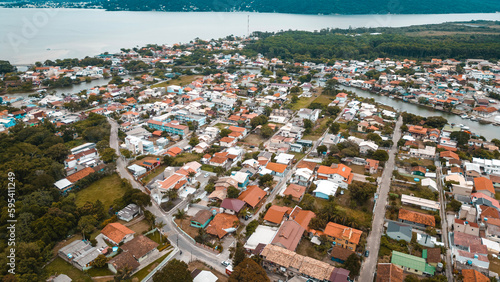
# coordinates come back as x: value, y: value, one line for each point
x: 412, y: 264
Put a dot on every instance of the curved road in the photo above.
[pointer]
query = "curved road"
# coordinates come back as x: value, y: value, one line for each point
x: 373, y: 241
x: 176, y: 237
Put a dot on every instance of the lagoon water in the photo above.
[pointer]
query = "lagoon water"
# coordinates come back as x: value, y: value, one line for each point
x: 29, y: 35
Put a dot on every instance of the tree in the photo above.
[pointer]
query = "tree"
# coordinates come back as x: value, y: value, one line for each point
x: 239, y: 254
x: 225, y: 132
x: 232, y: 192
x: 308, y: 125
x: 109, y: 155
x: 87, y: 224
x: 266, y: 131
x: 360, y: 192
x: 250, y: 228
x: 461, y: 137
x: 374, y: 137
x: 180, y: 214
x: 266, y: 180
x: 380, y: 155
x: 352, y: 264
x: 455, y: 205
x: 436, y: 122
x: 57, y: 152
x: 335, y: 127
x: 194, y: 141
x: 174, y: 271
x: 100, y: 261
x: 321, y: 149
x: 248, y: 271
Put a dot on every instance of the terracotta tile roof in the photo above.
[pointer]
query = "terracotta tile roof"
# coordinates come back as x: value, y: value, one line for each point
x: 218, y: 159
x: 339, y: 169
x: 472, y: 275
x: 252, y: 195
x: 483, y: 184
x: 340, y: 231
x: 174, y: 151
x: 171, y: 181
x: 295, y: 190
x: 449, y: 154
x: 433, y: 255
x: 289, y: 235
x: 388, y: 272
x: 417, y: 217
x: 489, y: 212
x: 419, y: 168
x: 302, y: 217
x: 305, y: 164
x: 221, y: 223
x: 124, y: 259
x: 276, y: 213
x: 341, y: 253
x: 237, y: 129
x: 116, y: 231
x: 139, y: 246
x: 279, y: 168
x: 227, y: 139
x: 418, y: 130
x: 80, y: 174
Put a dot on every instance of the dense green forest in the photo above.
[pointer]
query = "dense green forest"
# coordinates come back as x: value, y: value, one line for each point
x: 294, y: 6
x: 312, y: 7
x: 422, y: 42
x: 35, y: 156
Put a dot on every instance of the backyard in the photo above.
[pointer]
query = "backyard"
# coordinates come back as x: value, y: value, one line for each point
x: 253, y: 139
x: 58, y: 266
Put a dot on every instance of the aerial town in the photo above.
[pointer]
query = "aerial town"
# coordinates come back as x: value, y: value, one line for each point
x: 238, y: 165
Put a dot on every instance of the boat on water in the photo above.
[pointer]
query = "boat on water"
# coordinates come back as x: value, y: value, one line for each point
x: 464, y: 116
x: 465, y: 127
x: 473, y: 118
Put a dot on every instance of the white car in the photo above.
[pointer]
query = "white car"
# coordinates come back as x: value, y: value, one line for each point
x: 225, y: 263
x: 206, y: 175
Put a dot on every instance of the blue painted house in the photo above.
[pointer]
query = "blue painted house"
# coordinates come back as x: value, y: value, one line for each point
x: 241, y: 177
x: 201, y: 219
x: 7, y: 122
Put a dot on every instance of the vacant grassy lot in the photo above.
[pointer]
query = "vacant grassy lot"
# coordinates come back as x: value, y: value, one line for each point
x: 318, y: 130
x: 306, y: 248
x: 106, y: 190
x: 154, y: 174
x: 185, y: 224
x: 59, y: 266
x: 140, y: 226
x: 187, y: 157
x: 253, y: 139
x: 182, y: 81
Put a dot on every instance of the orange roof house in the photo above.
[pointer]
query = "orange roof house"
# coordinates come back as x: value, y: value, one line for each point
x: 484, y: 185
x: 302, y: 217
x: 277, y: 168
x: 416, y: 218
x: 80, y: 174
x: 174, y: 151
x: 253, y: 195
x: 117, y: 233
x: 221, y: 224
x: 295, y: 190
x: 417, y: 129
x: 342, y: 232
x: 472, y: 275
x: 449, y: 155
x: 276, y: 213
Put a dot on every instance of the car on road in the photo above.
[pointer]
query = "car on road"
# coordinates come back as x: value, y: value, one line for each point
x: 367, y: 253
x: 206, y: 175
x: 225, y: 263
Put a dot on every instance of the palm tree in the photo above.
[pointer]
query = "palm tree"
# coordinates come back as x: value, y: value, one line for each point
x: 180, y: 214
x: 159, y: 225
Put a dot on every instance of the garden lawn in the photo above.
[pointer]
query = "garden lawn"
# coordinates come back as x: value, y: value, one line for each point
x: 106, y: 190
x: 58, y: 266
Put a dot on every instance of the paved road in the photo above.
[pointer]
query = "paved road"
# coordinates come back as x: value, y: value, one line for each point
x: 185, y: 244
x: 444, y: 222
x: 373, y: 241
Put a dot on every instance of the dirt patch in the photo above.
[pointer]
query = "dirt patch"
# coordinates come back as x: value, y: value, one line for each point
x: 200, y: 265
x: 140, y: 226
x: 185, y: 224
x: 253, y: 139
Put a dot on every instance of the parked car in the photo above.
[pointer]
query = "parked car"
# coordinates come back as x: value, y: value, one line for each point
x: 206, y: 175
x: 225, y: 263
x: 367, y: 253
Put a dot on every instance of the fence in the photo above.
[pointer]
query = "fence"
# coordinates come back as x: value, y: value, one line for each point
x: 161, y: 265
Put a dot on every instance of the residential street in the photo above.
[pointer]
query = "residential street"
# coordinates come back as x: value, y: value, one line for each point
x: 444, y: 222
x: 368, y: 267
x: 186, y: 245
